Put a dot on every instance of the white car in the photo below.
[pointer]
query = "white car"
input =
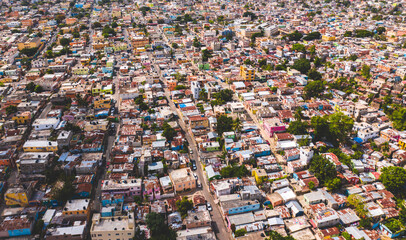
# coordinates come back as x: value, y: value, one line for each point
x: 195, y: 175
x: 209, y: 207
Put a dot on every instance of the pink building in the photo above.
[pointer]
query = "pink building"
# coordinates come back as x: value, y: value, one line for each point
x: 152, y: 189
x: 274, y: 125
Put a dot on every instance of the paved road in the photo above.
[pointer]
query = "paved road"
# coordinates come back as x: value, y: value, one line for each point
x: 216, y: 216
x: 96, y: 203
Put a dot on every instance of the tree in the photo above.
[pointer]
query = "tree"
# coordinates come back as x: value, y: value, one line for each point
x: 64, y: 42
x: 357, y: 202
x: 66, y: 192
x: 302, y: 65
x: 394, y: 179
x: 311, y: 185
x: 158, y: 229
x: 29, y: 51
x: 297, y: 47
x: 314, y: 74
x: 323, y: 169
x: 250, y: 14
x: 139, y: 234
x: 224, y: 124
x: 114, y: 25
x: 225, y: 95
x: 237, y: 125
x: 96, y: 25
x: 298, y: 127
x: 353, y: 57
x: 340, y: 125
x: 348, y: 34
x: 380, y: 30
x: 169, y: 133
x: 334, y: 184
x: 30, y: 86
x: 38, y: 89
x: 398, y: 118
x: 314, y: 89
x: 334, y: 128
x: 295, y: 36
x: 184, y: 205
x: 196, y: 43
x: 234, y: 171
x: 11, y: 109
x: 175, y: 45
x: 206, y: 55
x: 365, y: 71
x: 312, y: 36
x: 240, y: 232
x: 317, y: 62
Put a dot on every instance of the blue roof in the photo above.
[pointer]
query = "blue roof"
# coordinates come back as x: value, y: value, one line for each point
x: 63, y: 157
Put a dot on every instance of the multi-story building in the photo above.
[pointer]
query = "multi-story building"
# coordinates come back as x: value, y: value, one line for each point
x: 247, y: 73
x: 128, y: 187
x: 40, y: 146
x: 106, y: 228
x: 182, y: 179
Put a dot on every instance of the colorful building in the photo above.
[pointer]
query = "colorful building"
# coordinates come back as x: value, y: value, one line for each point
x: 247, y: 73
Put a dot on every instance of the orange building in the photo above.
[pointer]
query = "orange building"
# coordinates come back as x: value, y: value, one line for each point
x: 70, y: 21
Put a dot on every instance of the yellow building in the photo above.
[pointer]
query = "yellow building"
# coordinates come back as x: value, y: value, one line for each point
x: 259, y: 174
x: 327, y: 38
x: 40, y: 146
x: 101, y: 102
x: 22, y: 118
x: 30, y: 43
x: 402, y: 144
x: 77, y: 207
x: 19, y: 195
x: 247, y: 73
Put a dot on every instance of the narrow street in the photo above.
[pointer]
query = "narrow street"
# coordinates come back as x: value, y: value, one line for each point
x: 220, y: 229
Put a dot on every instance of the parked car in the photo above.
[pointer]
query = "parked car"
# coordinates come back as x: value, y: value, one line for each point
x: 209, y: 207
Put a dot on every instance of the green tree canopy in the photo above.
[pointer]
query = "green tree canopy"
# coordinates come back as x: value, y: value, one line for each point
x: 158, y: 228
x: 298, y: 47
x: 312, y: 36
x: 224, y: 124
x: 64, y: 42
x: 169, y: 133
x: 11, y: 109
x: 394, y: 179
x: 314, y: 74
x: 295, y: 36
x: 184, y: 205
x: 234, y: 171
x: 314, y: 89
x: 302, y: 65
x: 323, y: 169
x: 398, y: 118
x: 334, y: 128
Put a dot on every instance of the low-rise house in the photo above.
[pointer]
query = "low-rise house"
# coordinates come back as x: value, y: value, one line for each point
x: 197, y: 219
x: 239, y: 206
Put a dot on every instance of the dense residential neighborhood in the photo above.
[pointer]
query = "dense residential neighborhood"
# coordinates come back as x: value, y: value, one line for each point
x: 188, y: 120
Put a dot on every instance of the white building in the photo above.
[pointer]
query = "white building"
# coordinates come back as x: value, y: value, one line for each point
x: 45, y: 123
x: 195, y: 88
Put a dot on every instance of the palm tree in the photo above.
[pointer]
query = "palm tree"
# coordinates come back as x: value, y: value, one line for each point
x: 237, y: 125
